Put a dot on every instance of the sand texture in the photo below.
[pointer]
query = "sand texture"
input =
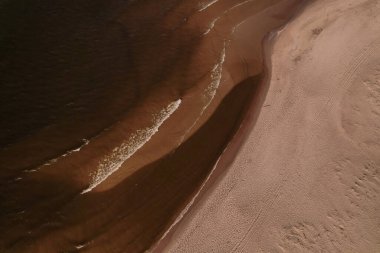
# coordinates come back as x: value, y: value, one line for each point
x: 307, y: 178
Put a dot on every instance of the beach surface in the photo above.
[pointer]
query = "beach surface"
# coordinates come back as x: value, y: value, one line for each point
x: 190, y: 126
x: 307, y: 178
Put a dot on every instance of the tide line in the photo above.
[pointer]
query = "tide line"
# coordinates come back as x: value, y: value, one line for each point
x: 137, y: 140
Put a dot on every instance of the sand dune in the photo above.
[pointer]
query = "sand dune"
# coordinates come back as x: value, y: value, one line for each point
x: 307, y: 177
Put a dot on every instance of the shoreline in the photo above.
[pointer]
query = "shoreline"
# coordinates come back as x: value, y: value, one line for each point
x: 251, y: 113
x: 159, y: 183
x: 306, y: 178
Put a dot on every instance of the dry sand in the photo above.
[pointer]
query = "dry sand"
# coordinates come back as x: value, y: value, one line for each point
x: 307, y: 177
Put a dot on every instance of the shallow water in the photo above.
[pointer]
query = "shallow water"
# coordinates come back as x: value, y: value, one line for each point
x: 114, y: 112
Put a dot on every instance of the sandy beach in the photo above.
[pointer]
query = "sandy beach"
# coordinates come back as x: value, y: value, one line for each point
x: 307, y: 177
x: 190, y: 126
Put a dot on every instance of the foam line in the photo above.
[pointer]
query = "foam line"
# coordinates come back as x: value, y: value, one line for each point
x: 137, y: 140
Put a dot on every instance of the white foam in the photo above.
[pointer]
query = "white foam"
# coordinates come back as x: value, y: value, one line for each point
x: 120, y: 154
x: 236, y: 27
x: 54, y: 160
x: 204, y: 6
x: 85, y: 142
x: 80, y: 246
x: 211, y: 26
x: 210, y: 91
x: 216, y: 77
x: 240, y: 4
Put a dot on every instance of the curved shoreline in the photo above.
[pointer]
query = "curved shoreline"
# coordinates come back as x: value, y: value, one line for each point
x: 307, y: 177
x: 249, y: 118
x: 133, y: 198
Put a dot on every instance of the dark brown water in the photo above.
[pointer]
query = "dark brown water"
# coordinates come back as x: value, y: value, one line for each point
x: 85, y: 89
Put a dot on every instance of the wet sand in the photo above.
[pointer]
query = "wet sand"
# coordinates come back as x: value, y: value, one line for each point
x: 114, y: 113
x: 249, y: 116
x: 129, y: 216
x: 307, y: 177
